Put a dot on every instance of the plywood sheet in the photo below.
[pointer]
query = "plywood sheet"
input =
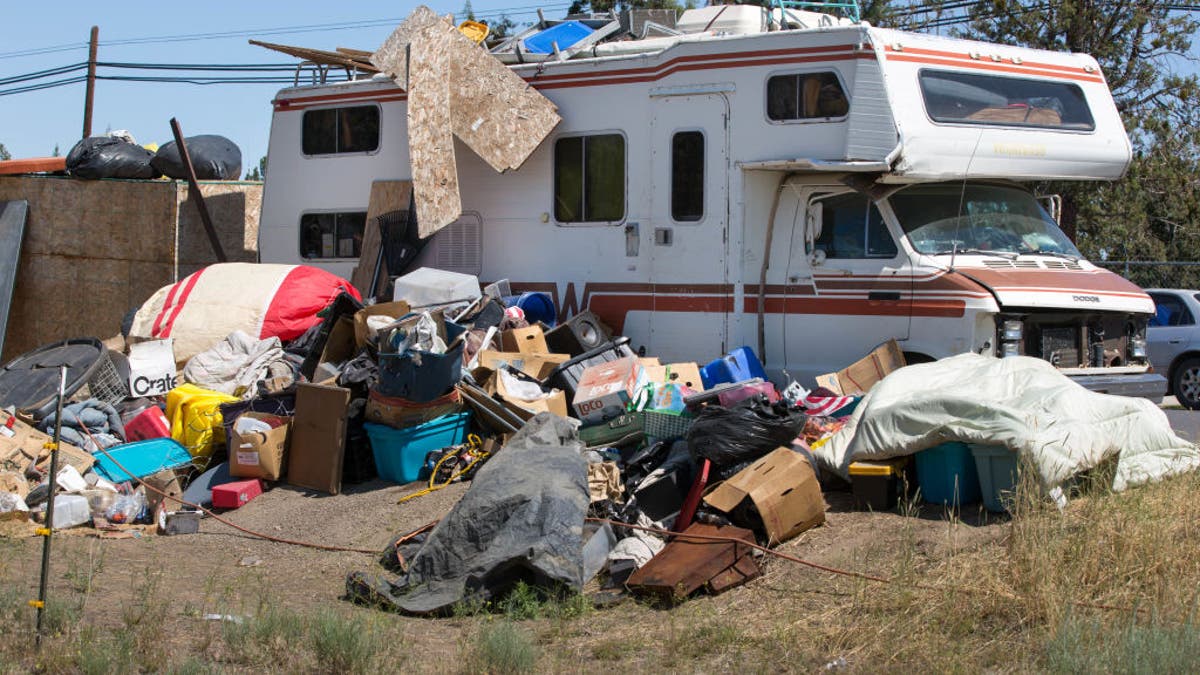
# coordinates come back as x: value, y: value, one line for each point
x: 491, y: 109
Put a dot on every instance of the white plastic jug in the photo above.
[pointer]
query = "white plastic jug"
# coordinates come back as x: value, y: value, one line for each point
x: 70, y: 510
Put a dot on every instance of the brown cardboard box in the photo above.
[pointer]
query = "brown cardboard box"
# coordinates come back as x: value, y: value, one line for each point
x: 342, y: 343
x: 537, y: 366
x: 555, y: 403
x: 860, y: 376
x: 27, y: 443
x: 682, y: 373
x: 318, y: 442
x: 260, y: 454
x: 530, y: 340
x: 393, y: 309
x: 783, y: 489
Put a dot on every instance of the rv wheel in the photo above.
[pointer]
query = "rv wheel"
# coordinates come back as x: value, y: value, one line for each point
x: 1185, y: 383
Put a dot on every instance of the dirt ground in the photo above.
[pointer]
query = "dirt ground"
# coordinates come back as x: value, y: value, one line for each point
x: 222, y: 571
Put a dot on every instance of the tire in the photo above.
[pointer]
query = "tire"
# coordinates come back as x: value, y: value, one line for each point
x: 1185, y: 382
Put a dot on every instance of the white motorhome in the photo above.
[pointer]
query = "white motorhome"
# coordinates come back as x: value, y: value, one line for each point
x: 802, y: 184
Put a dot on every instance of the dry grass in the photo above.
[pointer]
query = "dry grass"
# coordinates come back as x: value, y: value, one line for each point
x: 1108, y: 584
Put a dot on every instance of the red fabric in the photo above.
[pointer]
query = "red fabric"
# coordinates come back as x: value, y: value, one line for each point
x: 187, y: 285
x: 304, y: 292
x: 692, y: 502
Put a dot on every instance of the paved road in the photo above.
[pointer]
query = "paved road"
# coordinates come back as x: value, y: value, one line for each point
x: 1186, y: 423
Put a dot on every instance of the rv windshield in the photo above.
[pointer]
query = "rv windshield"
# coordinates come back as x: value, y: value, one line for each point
x: 979, y: 219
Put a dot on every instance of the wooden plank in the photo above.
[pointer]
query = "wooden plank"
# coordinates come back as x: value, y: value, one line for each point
x: 431, y: 140
x: 12, y: 233
x: 386, y: 196
x: 319, y: 56
x: 12, y: 167
x: 685, y: 566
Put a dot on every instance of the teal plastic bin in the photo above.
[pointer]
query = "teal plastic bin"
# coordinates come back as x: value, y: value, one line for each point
x: 997, y: 467
x: 946, y: 474
x: 400, y: 453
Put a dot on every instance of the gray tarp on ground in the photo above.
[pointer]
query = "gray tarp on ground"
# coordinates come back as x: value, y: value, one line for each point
x: 1022, y: 403
x: 522, y: 519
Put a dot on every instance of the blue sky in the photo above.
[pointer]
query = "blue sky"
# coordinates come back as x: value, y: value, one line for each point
x: 32, y: 123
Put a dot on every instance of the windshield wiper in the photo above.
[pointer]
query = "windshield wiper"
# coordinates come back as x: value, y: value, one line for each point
x: 1007, y: 255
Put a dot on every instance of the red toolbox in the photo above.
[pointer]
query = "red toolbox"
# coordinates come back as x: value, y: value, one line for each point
x: 233, y: 495
x: 150, y: 423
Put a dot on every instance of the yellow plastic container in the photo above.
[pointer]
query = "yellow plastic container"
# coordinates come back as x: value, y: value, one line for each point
x: 195, y: 415
x: 877, y: 485
x: 475, y: 30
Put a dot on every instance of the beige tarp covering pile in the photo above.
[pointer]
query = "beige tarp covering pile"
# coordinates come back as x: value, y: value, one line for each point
x: 1022, y: 403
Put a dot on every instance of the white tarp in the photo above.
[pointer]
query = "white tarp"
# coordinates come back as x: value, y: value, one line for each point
x: 1019, y: 402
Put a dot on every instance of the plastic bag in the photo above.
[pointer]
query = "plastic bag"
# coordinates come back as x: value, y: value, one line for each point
x: 106, y: 157
x: 744, y: 432
x: 127, y: 509
x: 213, y: 157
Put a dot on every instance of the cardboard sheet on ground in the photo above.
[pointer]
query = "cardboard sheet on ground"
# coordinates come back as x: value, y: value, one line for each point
x: 521, y: 519
x: 1022, y: 403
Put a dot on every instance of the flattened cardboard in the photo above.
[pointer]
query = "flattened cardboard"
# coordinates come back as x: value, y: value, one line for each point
x: 341, y: 344
x: 528, y: 340
x: 259, y: 454
x: 860, y: 376
x: 783, y: 489
x: 27, y: 444
x: 687, y: 374
x: 395, y: 310
x: 318, y: 438
x: 537, y: 366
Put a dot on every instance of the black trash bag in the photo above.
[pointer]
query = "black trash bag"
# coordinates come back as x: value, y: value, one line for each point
x: 743, y: 433
x: 521, y: 520
x: 107, y: 157
x: 213, y: 157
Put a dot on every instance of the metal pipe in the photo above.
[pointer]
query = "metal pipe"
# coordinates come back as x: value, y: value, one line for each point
x: 48, y: 530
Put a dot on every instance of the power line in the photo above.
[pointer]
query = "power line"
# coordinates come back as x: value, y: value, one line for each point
x: 283, y: 30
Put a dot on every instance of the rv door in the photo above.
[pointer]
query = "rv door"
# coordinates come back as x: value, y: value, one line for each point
x: 689, y: 214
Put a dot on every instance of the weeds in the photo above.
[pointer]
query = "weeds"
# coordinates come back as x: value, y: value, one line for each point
x: 343, y: 645
x: 525, y: 602
x: 501, y: 648
x: 1081, y: 646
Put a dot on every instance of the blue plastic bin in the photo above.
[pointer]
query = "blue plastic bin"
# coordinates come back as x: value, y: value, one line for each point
x: 737, y: 366
x: 946, y: 474
x: 400, y: 453
x: 142, y: 458
x: 565, y: 34
x: 997, y: 467
x: 537, y: 307
x: 422, y: 376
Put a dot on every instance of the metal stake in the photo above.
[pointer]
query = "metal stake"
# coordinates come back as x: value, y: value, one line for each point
x: 48, y: 530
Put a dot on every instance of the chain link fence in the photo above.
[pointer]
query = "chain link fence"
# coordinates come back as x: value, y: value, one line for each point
x: 1157, y: 273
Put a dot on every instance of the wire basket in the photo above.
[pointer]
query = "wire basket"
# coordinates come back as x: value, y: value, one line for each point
x: 104, y: 381
x: 664, y: 425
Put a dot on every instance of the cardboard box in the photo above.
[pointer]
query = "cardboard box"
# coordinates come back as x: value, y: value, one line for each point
x: 537, y: 366
x: 784, y: 491
x: 260, y: 454
x: 152, y: 368
x: 860, y: 376
x: 21, y: 444
x: 555, y: 403
x: 531, y: 340
x: 393, y: 309
x: 318, y: 442
x: 342, y: 343
x: 605, y: 389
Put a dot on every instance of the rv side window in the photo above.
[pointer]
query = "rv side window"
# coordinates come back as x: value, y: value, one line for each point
x: 968, y: 98
x: 332, y: 235
x: 687, y: 176
x: 589, y: 178
x: 805, y: 96
x: 339, y: 130
x: 852, y: 227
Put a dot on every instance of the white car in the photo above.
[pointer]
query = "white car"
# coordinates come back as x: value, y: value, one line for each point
x: 1173, y: 342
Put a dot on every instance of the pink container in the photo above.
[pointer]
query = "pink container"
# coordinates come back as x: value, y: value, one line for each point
x: 728, y: 398
x: 148, y: 424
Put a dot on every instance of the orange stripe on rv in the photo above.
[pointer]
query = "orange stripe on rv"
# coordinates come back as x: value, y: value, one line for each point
x: 993, y: 66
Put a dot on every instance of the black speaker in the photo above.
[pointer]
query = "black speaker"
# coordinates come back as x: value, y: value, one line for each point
x: 581, y: 333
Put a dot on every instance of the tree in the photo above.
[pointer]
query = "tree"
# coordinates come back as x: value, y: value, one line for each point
x: 4, y: 153
x: 57, y: 152
x: 258, y: 172
x: 1154, y: 211
x: 468, y: 12
x: 501, y: 28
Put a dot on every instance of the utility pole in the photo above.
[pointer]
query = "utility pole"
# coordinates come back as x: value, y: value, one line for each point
x: 91, y: 82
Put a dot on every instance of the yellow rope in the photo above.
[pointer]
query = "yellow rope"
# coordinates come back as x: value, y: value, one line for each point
x: 473, y: 445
